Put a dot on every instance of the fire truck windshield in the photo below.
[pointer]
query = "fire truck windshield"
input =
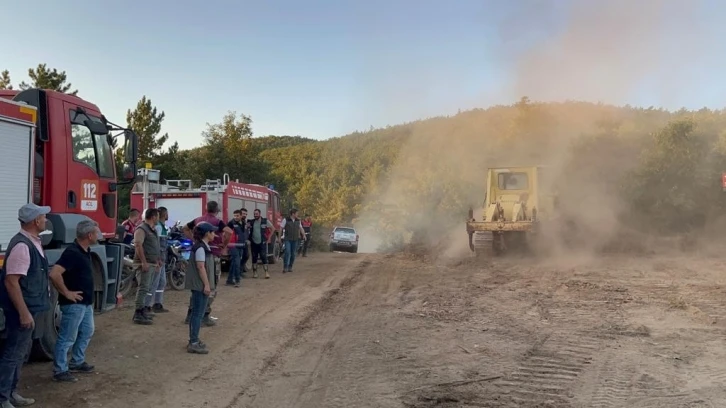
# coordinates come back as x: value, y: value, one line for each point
x: 89, y: 149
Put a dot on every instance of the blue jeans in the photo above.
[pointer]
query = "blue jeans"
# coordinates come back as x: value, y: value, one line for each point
x: 76, y: 330
x: 290, y: 252
x: 14, y: 353
x: 235, y: 267
x: 199, y: 306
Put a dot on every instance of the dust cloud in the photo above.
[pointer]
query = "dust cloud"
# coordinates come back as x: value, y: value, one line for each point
x: 611, y: 51
x: 586, y: 50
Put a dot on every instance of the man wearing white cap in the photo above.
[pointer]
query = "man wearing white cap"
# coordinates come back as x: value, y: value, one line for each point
x: 23, y: 295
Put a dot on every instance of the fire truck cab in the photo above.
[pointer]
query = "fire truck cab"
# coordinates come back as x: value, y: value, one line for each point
x: 62, y: 151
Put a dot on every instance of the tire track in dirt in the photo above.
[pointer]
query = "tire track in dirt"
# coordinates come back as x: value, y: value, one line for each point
x: 548, y: 370
x: 356, y: 364
x: 614, y: 382
x: 559, y: 362
x: 314, y: 280
x: 344, y: 359
x: 329, y: 300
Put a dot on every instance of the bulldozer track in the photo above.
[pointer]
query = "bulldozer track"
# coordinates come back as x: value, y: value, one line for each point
x: 546, y: 373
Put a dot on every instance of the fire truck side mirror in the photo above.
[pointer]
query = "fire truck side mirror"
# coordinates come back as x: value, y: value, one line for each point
x: 131, y: 148
x: 129, y: 172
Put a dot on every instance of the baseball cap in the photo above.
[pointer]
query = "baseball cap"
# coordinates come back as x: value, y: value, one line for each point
x: 30, y: 211
x: 205, y: 227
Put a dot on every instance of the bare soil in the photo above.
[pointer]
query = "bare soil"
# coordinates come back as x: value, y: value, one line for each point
x: 366, y: 330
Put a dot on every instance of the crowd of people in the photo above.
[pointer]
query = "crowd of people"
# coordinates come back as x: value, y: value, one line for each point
x: 239, y: 238
x: 26, y: 275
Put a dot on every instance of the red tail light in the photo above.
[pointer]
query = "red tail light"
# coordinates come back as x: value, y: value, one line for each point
x: 36, y: 191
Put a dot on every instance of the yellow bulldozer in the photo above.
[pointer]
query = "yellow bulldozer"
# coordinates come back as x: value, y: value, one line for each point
x: 518, y: 201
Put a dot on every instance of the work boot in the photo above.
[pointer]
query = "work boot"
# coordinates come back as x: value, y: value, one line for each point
x: 197, y: 348
x: 208, y: 321
x: 267, y: 274
x: 148, y: 313
x: 19, y: 401
x: 141, y: 318
x: 82, y: 368
x: 6, y: 404
x: 64, y: 377
x: 159, y: 308
x: 254, y: 271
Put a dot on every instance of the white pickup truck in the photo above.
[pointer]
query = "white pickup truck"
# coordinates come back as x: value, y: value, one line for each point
x: 344, y: 239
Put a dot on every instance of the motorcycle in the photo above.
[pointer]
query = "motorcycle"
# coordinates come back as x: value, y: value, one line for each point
x: 178, y: 254
x: 301, y: 245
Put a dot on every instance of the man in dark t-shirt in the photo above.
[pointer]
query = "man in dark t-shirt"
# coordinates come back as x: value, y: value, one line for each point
x: 72, y: 276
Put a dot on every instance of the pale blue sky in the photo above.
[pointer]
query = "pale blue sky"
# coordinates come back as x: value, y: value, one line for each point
x: 322, y: 69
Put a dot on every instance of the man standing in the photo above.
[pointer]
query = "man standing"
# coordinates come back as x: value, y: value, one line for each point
x: 246, y: 251
x: 239, y: 225
x: 72, y: 277
x: 23, y: 294
x: 292, y: 234
x: 200, y: 278
x: 130, y: 225
x: 147, y: 260
x: 218, y: 246
x: 158, y: 281
x: 261, y: 234
x: 307, y: 225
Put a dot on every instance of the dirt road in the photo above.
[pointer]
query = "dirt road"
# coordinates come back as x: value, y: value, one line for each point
x: 391, y: 331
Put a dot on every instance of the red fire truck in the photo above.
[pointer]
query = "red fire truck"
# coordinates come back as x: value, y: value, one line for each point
x: 186, y: 202
x: 57, y: 151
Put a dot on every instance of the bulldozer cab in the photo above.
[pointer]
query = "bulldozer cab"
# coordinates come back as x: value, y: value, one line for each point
x: 530, y: 186
x: 509, y: 186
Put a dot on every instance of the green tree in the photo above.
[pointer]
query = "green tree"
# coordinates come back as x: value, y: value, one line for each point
x: 146, y: 121
x: 666, y: 188
x: 5, y: 80
x: 227, y: 148
x: 44, y: 78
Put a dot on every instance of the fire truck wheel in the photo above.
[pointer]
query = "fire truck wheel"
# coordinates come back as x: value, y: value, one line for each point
x: 46, y: 330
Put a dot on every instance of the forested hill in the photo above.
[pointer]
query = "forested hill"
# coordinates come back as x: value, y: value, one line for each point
x: 645, y: 168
